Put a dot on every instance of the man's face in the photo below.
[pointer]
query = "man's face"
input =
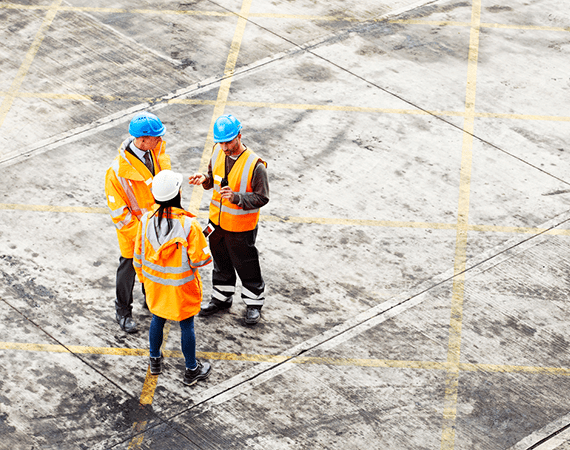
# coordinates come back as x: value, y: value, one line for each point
x: 232, y: 147
x: 147, y: 143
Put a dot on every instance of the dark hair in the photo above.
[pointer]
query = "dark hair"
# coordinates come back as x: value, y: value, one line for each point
x: 163, y: 212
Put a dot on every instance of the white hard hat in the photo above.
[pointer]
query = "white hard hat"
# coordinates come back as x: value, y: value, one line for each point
x: 166, y: 185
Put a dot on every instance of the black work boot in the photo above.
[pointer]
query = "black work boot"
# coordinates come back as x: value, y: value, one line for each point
x: 156, y: 365
x: 201, y: 372
x: 214, y: 306
x: 126, y: 323
x: 252, y: 315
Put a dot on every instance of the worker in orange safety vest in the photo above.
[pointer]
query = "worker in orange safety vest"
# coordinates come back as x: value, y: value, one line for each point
x: 240, y: 188
x: 169, y: 249
x: 128, y: 189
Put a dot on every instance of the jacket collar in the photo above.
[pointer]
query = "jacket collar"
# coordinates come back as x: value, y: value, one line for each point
x: 130, y: 166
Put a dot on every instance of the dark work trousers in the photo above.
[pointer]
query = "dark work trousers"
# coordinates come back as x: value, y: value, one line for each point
x: 125, y: 282
x: 235, y: 252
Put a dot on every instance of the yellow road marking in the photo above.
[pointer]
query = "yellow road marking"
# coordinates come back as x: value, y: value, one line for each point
x: 458, y: 290
x: 306, y: 107
x: 221, y: 101
x: 147, y: 393
x: 318, y: 220
x: 28, y: 59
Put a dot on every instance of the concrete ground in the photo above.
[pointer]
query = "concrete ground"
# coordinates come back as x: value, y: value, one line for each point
x: 416, y: 247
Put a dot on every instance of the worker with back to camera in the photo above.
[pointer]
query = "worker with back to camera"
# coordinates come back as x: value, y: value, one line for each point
x: 239, y: 179
x: 169, y: 249
x: 128, y: 189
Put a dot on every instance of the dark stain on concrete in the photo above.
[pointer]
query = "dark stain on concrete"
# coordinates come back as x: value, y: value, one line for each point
x: 498, y: 8
x: 5, y: 427
x: 520, y: 327
x: 23, y: 286
x: 313, y: 72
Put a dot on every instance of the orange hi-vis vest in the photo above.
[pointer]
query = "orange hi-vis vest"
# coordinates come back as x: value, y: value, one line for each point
x: 167, y: 263
x: 223, y: 213
x: 128, y: 185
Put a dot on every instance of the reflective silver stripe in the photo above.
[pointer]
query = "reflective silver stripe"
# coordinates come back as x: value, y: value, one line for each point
x: 125, y: 184
x: 168, y: 282
x: 225, y: 288
x: 250, y: 295
x: 217, y: 150
x: 250, y: 299
x: 221, y: 297
x: 167, y: 270
x: 223, y: 292
x: 245, y: 173
x: 250, y: 302
x: 201, y: 263
x: 136, y: 263
x: 117, y: 212
x: 125, y: 221
x: 234, y: 212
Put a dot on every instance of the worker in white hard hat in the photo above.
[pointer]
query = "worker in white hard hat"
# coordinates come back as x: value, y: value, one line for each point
x: 127, y: 187
x: 169, y: 249
x: 239, y: 179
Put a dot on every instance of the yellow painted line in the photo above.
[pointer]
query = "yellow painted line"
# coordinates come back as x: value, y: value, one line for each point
x: 459, y: 266
x: 148, y: 389
x: 524, y: 27
x: 223, y: 93
x: 147, y: 394
x: 523, y: 117
x: 292, y: 106
x: 52, y: 348
x: 53, y: 208
x: 6, y: 104
x: 317, y: 220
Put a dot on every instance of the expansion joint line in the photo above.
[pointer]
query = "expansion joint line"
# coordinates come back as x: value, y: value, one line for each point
x: 458, y: 290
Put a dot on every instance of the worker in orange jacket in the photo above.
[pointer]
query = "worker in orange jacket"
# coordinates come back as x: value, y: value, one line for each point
x: 128, y: 189
x: 169, y: 249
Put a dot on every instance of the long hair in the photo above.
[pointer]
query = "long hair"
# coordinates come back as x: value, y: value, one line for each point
x: 164, y: 212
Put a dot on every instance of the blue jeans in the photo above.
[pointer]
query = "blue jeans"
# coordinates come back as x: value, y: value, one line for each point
x: 155, y: 336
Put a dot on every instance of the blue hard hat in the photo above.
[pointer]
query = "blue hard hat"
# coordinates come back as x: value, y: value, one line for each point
x: 146, y: 124
x: 226, y: 128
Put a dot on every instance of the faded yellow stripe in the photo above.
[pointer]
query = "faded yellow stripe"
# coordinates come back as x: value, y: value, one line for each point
x: 317, y: 220
x: 53, y: 208
x: 278, y: 359
x: 458, y: 290
x: 223, y: 93
x: 147, y: 394
x: 294, y: 106
x: 28, y: 59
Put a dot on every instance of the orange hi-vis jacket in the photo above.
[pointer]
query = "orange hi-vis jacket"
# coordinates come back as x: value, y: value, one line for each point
x: 167, y: 263
x: 128, y: 185
x: 225, y: 214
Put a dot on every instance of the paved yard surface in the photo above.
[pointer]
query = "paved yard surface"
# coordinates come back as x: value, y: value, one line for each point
x: 416, y: 247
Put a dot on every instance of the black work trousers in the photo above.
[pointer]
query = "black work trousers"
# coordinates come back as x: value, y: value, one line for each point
x: 126, y: 276
x: 236, y: 252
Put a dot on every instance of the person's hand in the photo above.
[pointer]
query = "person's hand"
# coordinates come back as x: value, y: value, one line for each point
x: 197, y: 179
x: 227, y: 193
